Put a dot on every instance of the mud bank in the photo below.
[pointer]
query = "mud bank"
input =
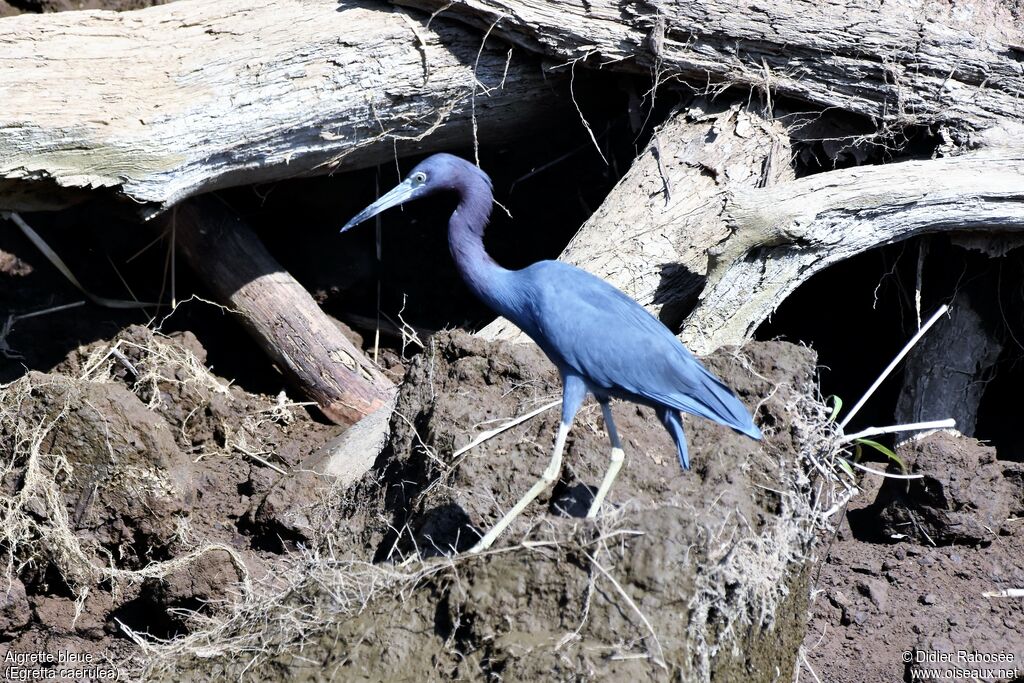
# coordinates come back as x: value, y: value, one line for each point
x: 697, y: 575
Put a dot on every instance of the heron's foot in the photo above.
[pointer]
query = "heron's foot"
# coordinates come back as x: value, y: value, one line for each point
x: 547, y: 479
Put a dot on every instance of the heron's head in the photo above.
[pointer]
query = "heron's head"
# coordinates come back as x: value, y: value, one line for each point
x: 437, y: 173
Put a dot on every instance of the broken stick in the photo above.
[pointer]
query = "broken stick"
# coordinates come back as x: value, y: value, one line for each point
x: 278, y: 312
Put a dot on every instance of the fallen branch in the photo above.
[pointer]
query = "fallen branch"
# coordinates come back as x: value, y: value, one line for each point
x: 279, y: 313
x: 907, y: 62
x: 178, y: 99
x: 783, y: 235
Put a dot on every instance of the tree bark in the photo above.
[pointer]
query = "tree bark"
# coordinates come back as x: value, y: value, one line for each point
x: 651, y: 235
x: 175, y: 100
x: 279, y: 313
x: 905, y: 62
x: 782, y: 235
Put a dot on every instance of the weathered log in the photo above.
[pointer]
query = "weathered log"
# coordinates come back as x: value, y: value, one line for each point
x: 906, y: 62
x: 279, y: 312
x: 760, y: 243
x: 175, y: 100
x: 651, y: 235
x: 784, y: 234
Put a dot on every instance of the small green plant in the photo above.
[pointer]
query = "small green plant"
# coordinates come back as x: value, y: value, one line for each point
x: 860, y: 443
x: 884, y: 450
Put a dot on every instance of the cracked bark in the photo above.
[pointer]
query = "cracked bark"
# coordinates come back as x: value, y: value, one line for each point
x: 160, y: 104
x: 906, y: 62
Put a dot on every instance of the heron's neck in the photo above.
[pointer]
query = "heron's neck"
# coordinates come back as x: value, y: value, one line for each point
x: 466, y: 240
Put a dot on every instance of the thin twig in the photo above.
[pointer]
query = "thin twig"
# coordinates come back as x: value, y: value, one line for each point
x: 45, y: 311
x: 880, y: 473
x: 472, y: 96
x: 260, y: 460
x: 892, y: 366
x: 484, y: 436
x: 583, y: 119
x: 174, y: 280
x: 948, y: 423
x: 59, y: 264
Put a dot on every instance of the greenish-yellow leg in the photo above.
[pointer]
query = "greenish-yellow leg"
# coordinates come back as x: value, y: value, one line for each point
x: 546, y: 480
x: 613, y: 469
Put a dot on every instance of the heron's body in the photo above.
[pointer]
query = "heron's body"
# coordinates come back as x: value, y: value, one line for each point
x: 601, y: 341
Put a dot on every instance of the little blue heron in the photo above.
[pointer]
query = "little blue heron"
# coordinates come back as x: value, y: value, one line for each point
x: 601, y: 341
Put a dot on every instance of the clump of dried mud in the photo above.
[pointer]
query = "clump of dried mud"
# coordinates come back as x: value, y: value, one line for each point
x: 917, y: 569
x: 128, y: 498
x: 700, y: 574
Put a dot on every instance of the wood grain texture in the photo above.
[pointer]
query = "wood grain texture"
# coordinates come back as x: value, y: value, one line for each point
x: 783, y: 235
x: 166, y: 102
x: 900, y: 62
x: 651, y: 235
x: 278, y: 312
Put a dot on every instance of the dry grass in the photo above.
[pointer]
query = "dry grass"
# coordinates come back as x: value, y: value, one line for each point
x: 744, y: 575
x: 34, y: 522
x: 740, y: 582
x: 36, y: 527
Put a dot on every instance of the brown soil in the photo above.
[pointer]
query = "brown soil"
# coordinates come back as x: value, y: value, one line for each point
x: 129, y: 500
x: 132, y: 515
x: 908, y: 567
x: 695, y: 574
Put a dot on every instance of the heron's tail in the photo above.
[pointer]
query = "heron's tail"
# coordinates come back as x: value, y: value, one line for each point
x: 717, y: 402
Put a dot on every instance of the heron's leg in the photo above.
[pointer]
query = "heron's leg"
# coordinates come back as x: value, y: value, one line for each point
x: 573, y: 393
x: 613, y: 469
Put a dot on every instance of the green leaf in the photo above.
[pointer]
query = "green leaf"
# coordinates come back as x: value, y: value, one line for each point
x: 837, y: 405
x: 884, y: 450
x: 846, y: 467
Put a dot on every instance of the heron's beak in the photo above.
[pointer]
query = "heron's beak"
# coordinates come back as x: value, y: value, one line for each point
x: 399, y: 194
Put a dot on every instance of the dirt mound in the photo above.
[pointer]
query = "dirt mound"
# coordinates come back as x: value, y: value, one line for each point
x: 963, y: 497
x: 916, y: 570
x: 697, y: 574
x: 128, y: 505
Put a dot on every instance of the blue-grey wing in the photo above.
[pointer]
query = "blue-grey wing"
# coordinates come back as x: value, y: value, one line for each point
x: 600, y: 333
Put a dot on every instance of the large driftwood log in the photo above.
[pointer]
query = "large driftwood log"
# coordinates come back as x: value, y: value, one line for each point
x: 174, y: 100
x: 901, y: 62
x: 280, y: 314
x: 782, y: 235
x: 651, y: 235
x: 755, y: 245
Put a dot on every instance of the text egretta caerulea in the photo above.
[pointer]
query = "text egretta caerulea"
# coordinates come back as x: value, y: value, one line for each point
x: 601, y: 341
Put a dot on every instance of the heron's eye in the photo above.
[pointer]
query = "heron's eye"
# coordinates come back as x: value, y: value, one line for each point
x: 419, y: 177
